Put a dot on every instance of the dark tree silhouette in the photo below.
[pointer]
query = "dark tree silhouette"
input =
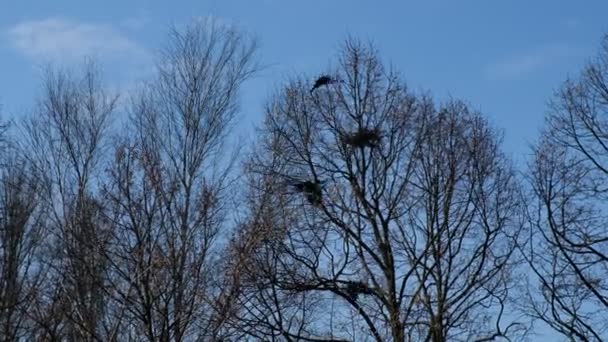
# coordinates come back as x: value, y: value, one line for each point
x: 66, y: 138
x: 414, y: 238
x: 21, y: 234
x: 168, y: 187
x: 569, y: 241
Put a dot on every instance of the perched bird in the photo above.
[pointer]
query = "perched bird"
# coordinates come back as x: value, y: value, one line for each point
x: 323, y: 81
x: 354, y: 288
x: 314, y: 198
x: 369, y: 137
x: 312, y: 190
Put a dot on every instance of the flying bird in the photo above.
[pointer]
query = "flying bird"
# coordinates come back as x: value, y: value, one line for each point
x: 323, y: 81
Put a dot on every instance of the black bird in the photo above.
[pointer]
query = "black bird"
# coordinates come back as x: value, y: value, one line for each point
x: 314, y: 198
x: 322, y: 81
x: 312, y: 190
x: 354, y: 288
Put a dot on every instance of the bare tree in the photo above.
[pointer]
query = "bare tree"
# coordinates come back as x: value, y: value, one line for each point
x: 65, y: 142
x: 376, y: 216
x: 567, y: 209
x: 167, y: 188
x: 3, y: 130
x: 20, y: 239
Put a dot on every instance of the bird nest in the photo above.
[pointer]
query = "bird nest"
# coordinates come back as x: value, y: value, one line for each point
x: 364, y: 137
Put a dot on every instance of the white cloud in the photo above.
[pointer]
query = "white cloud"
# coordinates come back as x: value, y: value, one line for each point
x: 531, y: 61
x: 62, y: 39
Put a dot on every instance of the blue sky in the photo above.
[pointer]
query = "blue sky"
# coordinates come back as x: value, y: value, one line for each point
x: 504, y: 57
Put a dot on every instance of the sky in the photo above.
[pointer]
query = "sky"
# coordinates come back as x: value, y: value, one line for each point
x: 505, y: 58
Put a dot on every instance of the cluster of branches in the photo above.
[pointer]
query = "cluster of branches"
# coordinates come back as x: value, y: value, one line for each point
x: 111, y: 234
x: 411, y: 236
x: 568, y: 217
x: 365, y: 212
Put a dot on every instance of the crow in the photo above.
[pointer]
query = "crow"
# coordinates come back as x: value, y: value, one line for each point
x: 312, y: 190
x: 323, y: 81
x: 354, y: 288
